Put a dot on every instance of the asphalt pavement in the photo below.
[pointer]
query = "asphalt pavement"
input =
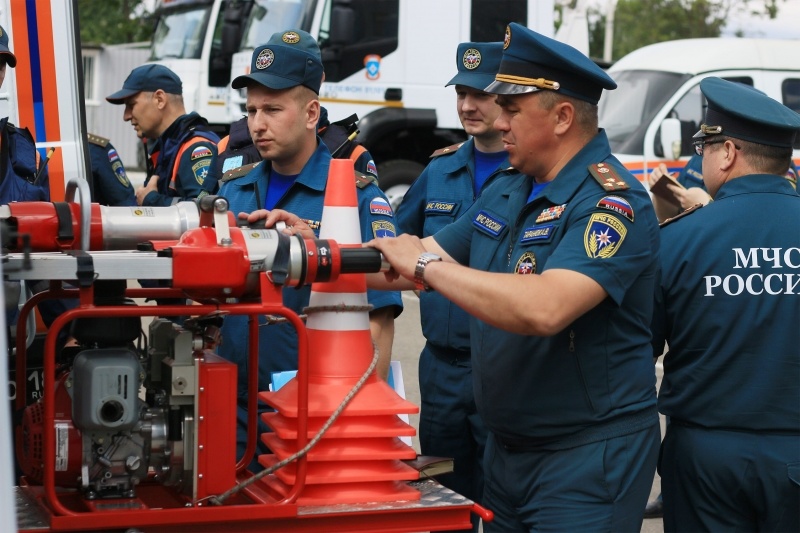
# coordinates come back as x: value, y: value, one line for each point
x: 408, y: 343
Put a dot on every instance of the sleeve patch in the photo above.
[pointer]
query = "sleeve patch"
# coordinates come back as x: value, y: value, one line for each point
x: 119, y: 172
x: 200, y: 170
x: 618, y: 205
x: 379, y: 206
x: 201, y: 151
x: 383, y: 228
x: 603, y: 236
x: 607, y: 177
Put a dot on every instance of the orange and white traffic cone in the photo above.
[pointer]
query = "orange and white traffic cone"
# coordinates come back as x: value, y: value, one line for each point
x: 360, y: 458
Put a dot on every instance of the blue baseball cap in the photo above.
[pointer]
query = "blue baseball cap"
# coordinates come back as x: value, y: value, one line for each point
x: 150, y: 78
x: 532, y: 62
x: 477, y: 64
x: 740, y: 111
x: 289, y: 59
x: 5, y: 51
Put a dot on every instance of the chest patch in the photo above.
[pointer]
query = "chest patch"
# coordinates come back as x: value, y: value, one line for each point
x: 379, y: 206
x: 526, y: 264
x: 383, y: 228
x: 536, y: 233
x: 444, y: 208
x: 618, y: 205
x: 603, y: 236
x: 488, y: 224
x: 551, y: 213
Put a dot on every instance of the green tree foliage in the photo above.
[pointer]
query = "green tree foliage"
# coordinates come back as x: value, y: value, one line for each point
x: 638, y: 23
x: 113, y: 21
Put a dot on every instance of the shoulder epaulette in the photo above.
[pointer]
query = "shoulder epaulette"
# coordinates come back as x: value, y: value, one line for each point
x: 96, y: 139
x: 362, y: 180
x: 689, y: 211
x: 607, y: 177
x: 238, y: 172
x: 446, y: 150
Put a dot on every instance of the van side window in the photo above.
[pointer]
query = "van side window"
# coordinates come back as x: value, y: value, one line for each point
x: 490, y: 18
x: 362, y: 31
x: 790, y: 93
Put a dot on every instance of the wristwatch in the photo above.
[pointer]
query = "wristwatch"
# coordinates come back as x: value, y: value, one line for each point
x: 419, y: 271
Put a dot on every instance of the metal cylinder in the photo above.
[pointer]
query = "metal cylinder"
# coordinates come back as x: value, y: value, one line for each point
x: 125, y: 227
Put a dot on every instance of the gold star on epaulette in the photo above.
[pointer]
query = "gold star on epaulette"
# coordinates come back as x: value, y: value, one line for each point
x: 362, y: 180
x: 96, y: 139
x: 607, y: 177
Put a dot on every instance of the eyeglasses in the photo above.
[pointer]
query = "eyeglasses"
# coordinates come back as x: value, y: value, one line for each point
x: 700, y: 144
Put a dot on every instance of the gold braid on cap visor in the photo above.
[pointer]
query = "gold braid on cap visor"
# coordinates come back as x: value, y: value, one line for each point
x: 710, y: 130
x: 541, y: 83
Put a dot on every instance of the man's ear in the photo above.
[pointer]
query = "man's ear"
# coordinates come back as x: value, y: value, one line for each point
x: 313, y: 112
x: 564, y: 113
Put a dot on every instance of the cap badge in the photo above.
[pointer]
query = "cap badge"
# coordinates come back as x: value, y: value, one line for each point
x: 290, y: 37
x: 264, y: 59
x: 471, y: 59
x: 507, y: 38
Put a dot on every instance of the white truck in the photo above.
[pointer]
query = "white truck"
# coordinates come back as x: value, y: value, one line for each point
x: 385, y: 60
x: 657, y: 107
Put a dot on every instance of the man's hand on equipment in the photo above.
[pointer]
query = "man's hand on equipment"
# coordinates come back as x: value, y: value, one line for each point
x: 294, y: 224
x: 401, y: 252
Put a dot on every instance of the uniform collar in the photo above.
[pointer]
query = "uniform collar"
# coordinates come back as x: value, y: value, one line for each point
x: 314, y: 174
x: 755, y: 183
x: 566, y: 182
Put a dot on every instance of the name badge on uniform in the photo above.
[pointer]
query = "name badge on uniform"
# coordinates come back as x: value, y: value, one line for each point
x: 489, y: 224
x: 444, y: 208
x: 536, y: 233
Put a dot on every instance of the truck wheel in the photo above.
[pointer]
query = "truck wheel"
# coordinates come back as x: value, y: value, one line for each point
x: 396, y: 176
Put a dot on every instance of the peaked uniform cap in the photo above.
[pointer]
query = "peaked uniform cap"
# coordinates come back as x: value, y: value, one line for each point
x: 740, y: 111
x: 532, y: 62
x: 288, y: 59
x: 149, y: 78
x: 477, y: 64
x: 5, y: 51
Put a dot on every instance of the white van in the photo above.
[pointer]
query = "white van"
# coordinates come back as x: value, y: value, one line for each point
x: 657, y: 107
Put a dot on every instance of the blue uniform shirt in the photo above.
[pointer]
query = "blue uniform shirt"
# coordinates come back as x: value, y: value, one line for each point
x: 441, y: 194
x: 278, y: 343
x: 715, y: 276
x: 111, y: 183
x: 599, y: 367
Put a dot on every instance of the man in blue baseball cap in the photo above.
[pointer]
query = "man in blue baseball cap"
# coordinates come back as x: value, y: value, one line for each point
x: 449, y: 422
x: 181, y: 148
x: 282, y: 115
x: 727, y: 308
x: 557, y: 267
x: 237, y: 149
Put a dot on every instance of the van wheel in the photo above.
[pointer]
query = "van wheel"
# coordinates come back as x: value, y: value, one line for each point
x: 396, y: 176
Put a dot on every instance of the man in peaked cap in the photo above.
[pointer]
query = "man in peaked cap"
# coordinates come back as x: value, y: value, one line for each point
x: 557, y: 267
x: 282, y: 115
x: 727, y: 308
x: 181, y: 148
x: 449, y: 423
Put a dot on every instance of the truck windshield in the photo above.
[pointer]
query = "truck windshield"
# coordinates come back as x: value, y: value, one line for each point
x: 626, y: 112
x: 270, y: 16
x: 180, y: 33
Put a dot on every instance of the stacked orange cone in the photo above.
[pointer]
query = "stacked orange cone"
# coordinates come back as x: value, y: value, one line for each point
x: 360, y: 458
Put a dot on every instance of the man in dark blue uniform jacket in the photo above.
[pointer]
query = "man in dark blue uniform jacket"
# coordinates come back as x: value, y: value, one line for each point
x: 728, y: 308
x: 449, y: 422
x: 557, y: 268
